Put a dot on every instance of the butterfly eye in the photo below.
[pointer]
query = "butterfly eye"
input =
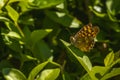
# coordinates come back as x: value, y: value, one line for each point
x: 72, y: 39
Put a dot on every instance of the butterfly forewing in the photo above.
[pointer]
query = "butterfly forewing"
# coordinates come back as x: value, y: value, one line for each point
x: 84, y: 39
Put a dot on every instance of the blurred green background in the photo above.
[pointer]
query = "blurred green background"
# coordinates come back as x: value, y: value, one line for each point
x: 35, y: 40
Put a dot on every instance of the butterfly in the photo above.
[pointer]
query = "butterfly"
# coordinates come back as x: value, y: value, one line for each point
x: 84, y: 38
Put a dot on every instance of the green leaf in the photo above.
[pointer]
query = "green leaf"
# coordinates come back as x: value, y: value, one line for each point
x: 98, y: 71
x: 4, y: 19
x: 84, y: 60
x: 49, y: 74
x: 24, y: 5
x: 36, y: 70
x: 112, y: 17
x: 109, y: 59
x: 2, y: 3
x: 13, y: 44
x: 116, y: 27
x: 41, y: 50
x: 27, y: 38
x: 40, y: 4
x: 12, y: 1
x: 14, y: 35
x: 37, y: 35
x: 113, y: 9
x: 65, y: 43
x: 13, y: 74
x: 12, y: 13
x: 63, y: 18
x: 113, y: 6
x: 86, y: 77
x: 25, y: 57
x: 97, y: 13
x: 117, y: 55
x: 114, y: 72
x: 115, y: 62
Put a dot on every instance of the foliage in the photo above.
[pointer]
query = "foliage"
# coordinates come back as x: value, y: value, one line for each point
x: 35, y: 45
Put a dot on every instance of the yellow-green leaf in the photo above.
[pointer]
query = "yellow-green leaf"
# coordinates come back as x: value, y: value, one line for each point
x: 109, y: 59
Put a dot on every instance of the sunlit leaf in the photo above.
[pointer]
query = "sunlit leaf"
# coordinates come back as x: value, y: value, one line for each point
x: 12, y: 13
x: 13, y: 74
x: 49, y: 74
x: 36, y: 70
x: 109, y: 59
x: 85, y: 77
x: 113, y: 73
x: 14, y: 35
x: 84, y: 61
x: 98, y: 71
x: 40, y: 4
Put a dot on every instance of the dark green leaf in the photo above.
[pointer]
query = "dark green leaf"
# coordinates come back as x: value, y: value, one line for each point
x: 41, y: 51
x: 38, y: 35
x: 63, y: 18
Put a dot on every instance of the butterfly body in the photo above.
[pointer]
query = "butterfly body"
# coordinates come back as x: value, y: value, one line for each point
x: 84, y: 38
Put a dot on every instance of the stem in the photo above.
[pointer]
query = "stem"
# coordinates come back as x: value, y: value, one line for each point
x: 88, y: 12
x: 19, y: 29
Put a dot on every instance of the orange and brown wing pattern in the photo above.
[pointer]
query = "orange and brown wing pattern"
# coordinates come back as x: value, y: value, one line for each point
x: 87, y: 31
x: 84, y: 39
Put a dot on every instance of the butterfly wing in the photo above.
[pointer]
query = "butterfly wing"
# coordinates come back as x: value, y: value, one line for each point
x: 84, y: 39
